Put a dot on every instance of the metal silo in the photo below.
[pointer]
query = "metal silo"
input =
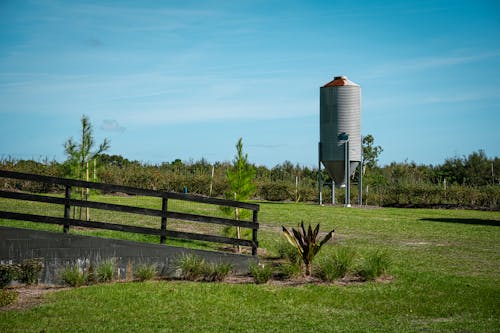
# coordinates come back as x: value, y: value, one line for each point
x: 340, y: 115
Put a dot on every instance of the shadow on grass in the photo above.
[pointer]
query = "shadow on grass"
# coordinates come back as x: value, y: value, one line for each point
x: 495, y: 223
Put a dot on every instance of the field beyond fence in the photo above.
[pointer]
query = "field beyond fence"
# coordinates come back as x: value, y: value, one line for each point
x: 444, y: 277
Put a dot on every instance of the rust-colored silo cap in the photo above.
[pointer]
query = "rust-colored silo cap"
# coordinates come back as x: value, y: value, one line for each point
x: 340, y: 81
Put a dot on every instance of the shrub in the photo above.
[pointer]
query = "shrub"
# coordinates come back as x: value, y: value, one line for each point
x: 287, y: 251
x: 276, y: 191
x: 7, y: 297
x: 90, y: 277
x: 261, y: 273
x: 336, y: 264
x: 145, y: 272
x: 73, y: 276
x: 290, y: 270
x: 195, y: 268
x: 374, y: 264
x: 191, y: 267
x: 30, y: 271
x: 216, y: 271
x: 105, y: 271
x: 8, y: 273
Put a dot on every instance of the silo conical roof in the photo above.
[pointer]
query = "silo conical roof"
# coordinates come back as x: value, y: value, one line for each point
x: 340, y: 81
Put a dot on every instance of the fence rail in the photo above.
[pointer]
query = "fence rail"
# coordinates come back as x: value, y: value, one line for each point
x: 67, y: 202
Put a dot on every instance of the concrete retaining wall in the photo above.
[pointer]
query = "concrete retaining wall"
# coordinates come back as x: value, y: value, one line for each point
x: 59, y: 250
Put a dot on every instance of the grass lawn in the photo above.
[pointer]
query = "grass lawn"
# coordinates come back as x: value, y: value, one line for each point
x: 445, y: 269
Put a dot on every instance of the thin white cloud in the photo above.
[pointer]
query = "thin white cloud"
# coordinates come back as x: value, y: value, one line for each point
x: 111, y: 125
x: 426, y: 63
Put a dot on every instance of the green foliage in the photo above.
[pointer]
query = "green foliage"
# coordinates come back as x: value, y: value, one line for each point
x: 9, y: 273
x: 7, y: 297
x: 276, y: 191
x: 306, y: 243
x: 467, y: 181
x: 90, y: 276
x: 231, y: 232
x: 30, y: 271
x: 191, y: 267
x: 371, y: 153
x: 289, y: 270
x: 105, y: 270
x: 445, y: 280
x: 27, y: 272
x: 195, y: 268
x: 240, y: 176
x: 73, y: 276
x: 287, y: 251
x: 336, y: 264
x: 80, y: 153
x: 374, y: 264
x: 216, y: 272
x: 261, y: 273
x: 145, y: 272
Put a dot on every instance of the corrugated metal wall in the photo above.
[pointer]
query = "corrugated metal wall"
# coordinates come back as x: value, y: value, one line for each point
x: 340, y: 112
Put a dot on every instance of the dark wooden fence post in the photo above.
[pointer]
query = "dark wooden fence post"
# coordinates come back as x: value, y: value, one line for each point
x: 67, y: 208
x: 164, y: 208
x: 255, y: 243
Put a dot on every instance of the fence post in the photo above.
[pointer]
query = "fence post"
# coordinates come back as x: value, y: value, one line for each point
x: 255, y: 244
x: 164, y: 207
x: 67, y: 208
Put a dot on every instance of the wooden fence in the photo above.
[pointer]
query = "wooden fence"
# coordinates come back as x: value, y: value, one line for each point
x: 164, y: 214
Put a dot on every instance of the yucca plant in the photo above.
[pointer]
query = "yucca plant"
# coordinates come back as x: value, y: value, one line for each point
x: 307, y: 243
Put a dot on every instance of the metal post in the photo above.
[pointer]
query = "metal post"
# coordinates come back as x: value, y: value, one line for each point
x: 348, y: 177
x: 360, y: 183
x: 320, y: 180
x: 333, y: 192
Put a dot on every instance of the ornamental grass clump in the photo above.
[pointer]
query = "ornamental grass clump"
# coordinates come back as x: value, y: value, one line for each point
x: 191, y: 267
x: 287, y: 251
x: 216, y: 272
x: 145, y: 272
x: 307, y: 243
x: 336, y: 264
x: 73, y: 276
x: 261, y: 273
x: 105, y: 271
x: 374, y: 264
x: 195, y: 268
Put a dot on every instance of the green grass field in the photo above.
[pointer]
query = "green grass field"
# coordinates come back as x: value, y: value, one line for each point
x: 445, y: 278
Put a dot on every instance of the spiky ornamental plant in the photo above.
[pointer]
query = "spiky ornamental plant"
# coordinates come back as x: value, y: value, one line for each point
x: 307, y: 243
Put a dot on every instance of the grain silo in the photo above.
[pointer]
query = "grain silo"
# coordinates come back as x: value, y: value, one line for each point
x: 340, y: 128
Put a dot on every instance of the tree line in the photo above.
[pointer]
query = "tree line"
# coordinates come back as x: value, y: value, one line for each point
x: 467, y: 181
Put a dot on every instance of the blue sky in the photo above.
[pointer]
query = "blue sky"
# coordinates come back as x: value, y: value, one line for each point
x: 185, y: 79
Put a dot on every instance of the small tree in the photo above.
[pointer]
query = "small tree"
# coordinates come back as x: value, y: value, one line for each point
x: 370, y: 152
x: 79, y: 154
x: 240, y: 177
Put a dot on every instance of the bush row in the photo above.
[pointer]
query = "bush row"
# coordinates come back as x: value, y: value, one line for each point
x: 26, y: 272
x: 381, y: 193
